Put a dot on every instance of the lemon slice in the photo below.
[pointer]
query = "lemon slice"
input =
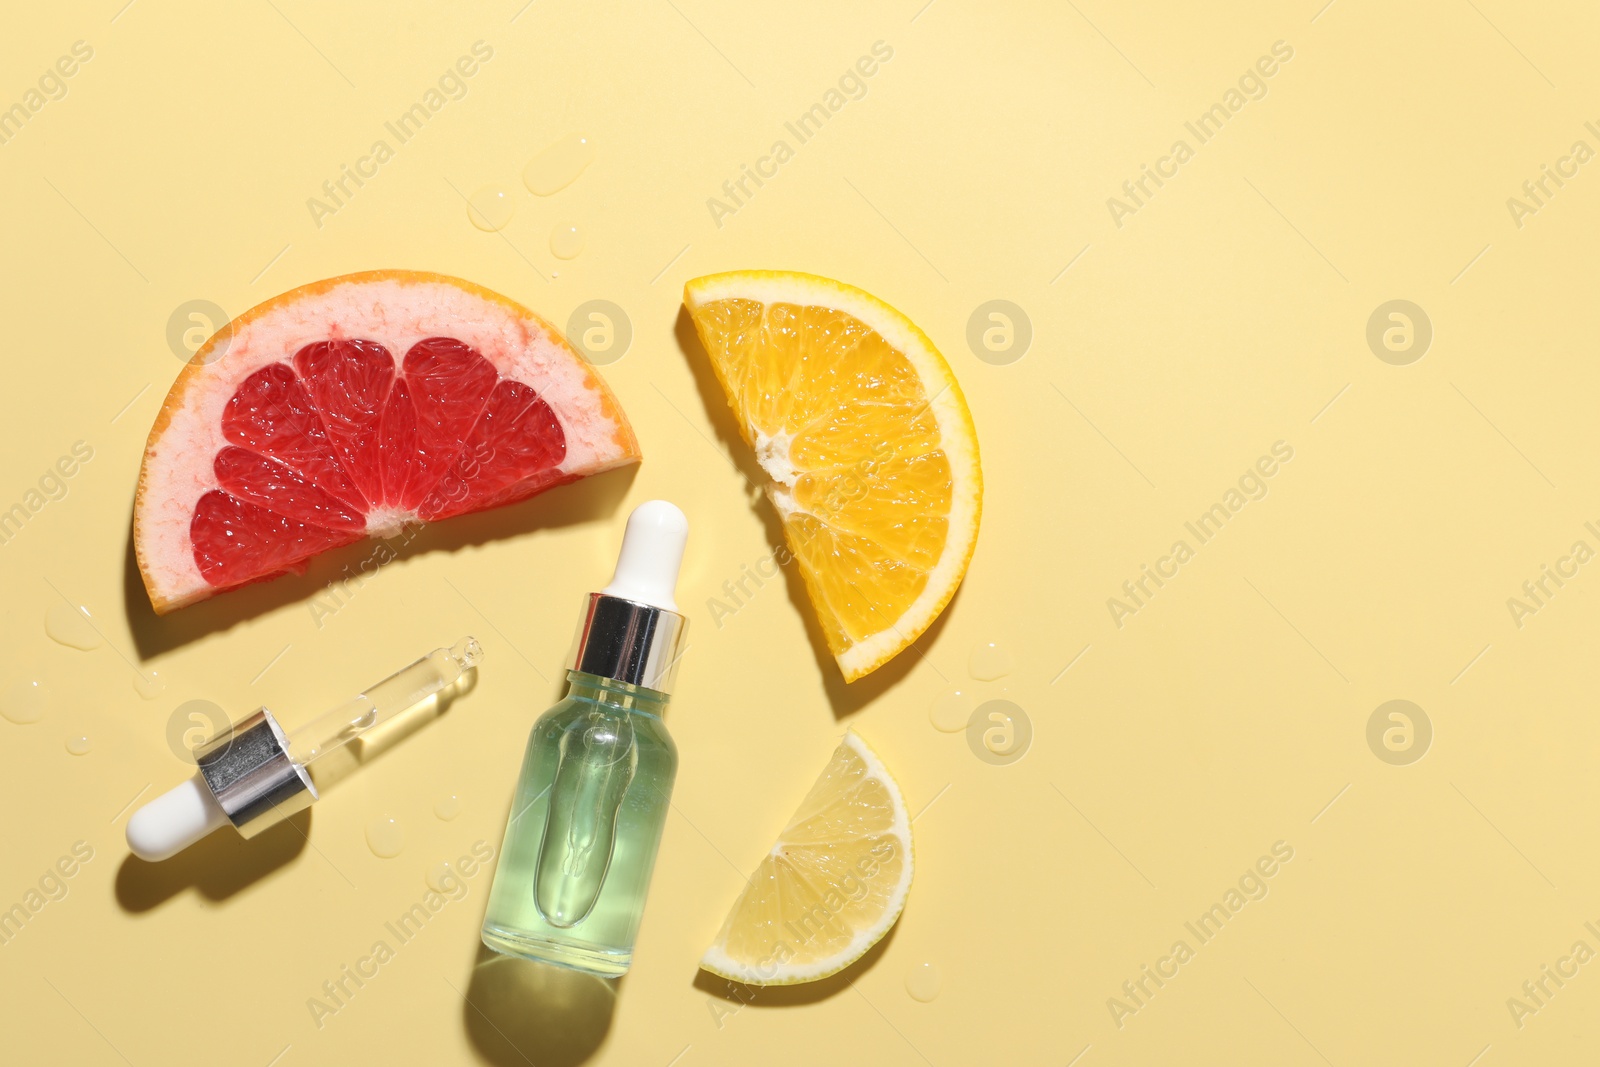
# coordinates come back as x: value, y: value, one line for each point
x: 867, y: 443
x: 831, y: 887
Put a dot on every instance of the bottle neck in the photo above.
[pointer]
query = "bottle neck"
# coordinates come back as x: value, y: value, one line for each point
x: 629, y: 641
x: 619, y: 695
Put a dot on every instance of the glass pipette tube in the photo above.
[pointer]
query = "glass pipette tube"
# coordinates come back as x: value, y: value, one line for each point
x: 382, y: 703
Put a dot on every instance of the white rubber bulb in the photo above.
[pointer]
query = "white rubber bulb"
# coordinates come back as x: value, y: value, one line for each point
x: 652, y: 550
x: 174, y: 820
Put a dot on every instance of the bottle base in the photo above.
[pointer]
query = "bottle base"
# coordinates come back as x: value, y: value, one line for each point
x: 573, y: 957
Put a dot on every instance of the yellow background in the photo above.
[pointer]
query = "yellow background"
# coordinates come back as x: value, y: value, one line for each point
x: 1228, y: 313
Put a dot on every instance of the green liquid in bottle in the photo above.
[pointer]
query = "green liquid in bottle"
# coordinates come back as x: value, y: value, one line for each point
x: 585, y: 824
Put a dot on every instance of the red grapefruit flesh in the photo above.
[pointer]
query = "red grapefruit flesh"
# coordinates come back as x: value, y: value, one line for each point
x: 349, y: 408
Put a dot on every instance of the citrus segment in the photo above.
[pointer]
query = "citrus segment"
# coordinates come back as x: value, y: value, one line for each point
x: 348, y: 381
x: 867, y: 443
x: 349, y: 408
x: 834, y: 882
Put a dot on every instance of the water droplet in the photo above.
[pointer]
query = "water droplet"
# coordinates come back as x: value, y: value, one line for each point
x: 491, y: 207
x: 79, y: 744
x: 988, y: 661
x: 950, y: 711
x: 558, y: 166
x: 385, y: 837
x: 923, y: 981
x: 448, y: 808
x: 566, y: 241
x: 23, y: 702
x: 149, y: 684
x: 70, y: 626
x: 439, y: 877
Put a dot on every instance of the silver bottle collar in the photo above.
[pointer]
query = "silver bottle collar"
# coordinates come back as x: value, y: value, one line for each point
x: 630, y: 642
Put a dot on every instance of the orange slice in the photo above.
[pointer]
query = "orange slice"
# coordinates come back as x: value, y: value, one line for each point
x: 350, y: 408
x: 867, y: 443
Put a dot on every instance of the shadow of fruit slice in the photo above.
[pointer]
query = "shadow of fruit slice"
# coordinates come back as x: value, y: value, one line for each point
x: 868, y: 447
x: 354, y: 407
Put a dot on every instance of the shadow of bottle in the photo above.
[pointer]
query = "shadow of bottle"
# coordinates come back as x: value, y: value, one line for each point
x: 519, y: 1012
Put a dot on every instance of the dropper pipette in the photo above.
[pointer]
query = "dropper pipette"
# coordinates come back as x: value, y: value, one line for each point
x: 255, y: 775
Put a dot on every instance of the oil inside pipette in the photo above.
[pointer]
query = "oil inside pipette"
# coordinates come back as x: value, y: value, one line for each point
x: 336, y: 743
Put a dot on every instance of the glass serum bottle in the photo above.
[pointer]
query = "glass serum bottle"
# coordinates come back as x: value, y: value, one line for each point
x: 597, y: 774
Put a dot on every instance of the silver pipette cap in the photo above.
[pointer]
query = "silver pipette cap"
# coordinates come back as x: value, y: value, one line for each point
x: 247, y: 768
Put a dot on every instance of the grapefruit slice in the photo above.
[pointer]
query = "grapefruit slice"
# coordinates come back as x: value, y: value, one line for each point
x: 349, y: 408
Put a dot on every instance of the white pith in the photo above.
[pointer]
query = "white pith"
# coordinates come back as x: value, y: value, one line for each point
x: 772, y: 452
x: 385, y: 521
x: 396, y: 313
x: 716, y: 958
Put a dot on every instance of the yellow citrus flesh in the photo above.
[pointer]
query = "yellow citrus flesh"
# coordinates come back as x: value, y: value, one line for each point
x: 867, y: 443
x: 831, y: 887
